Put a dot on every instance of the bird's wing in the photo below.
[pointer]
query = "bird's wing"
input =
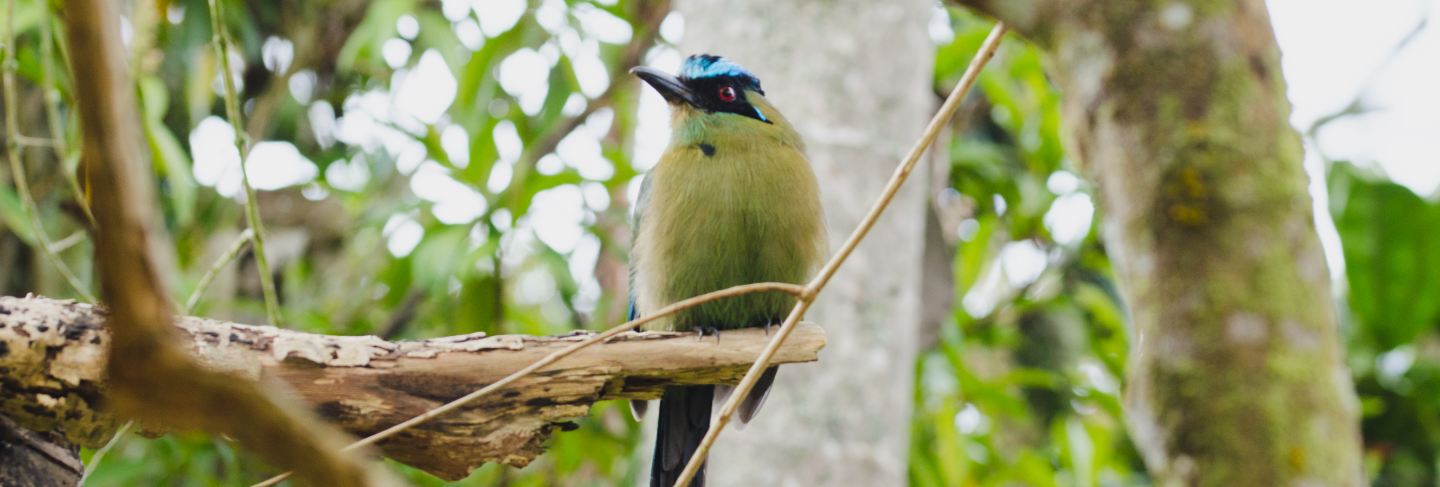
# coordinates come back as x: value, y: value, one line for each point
x: 637, y: 407
x: 637, y: 211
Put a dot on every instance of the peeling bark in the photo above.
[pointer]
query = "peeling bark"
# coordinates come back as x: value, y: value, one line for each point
x: 52, y: 356
x: 1177, y: 110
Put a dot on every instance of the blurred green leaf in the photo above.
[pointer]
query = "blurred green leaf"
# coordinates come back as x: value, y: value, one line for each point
x: 362, y: 49
x: 12, y: 215
x: 440, y: 257
x: 1391, y: 262
x: 170, y: 158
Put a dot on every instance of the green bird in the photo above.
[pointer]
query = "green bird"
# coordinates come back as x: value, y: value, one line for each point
x: 732, y: 201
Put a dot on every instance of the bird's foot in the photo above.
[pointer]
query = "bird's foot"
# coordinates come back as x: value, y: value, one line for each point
x: 704, y: 331
x: 768, y: 326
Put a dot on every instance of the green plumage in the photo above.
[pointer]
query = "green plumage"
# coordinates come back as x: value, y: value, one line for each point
x: 732, y: 201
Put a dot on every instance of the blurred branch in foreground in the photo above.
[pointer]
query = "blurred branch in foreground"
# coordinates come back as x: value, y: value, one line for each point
x: 149, y: 377
x: 365, y: 384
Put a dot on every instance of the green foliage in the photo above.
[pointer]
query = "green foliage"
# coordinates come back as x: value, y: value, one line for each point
x: 1393, y: 274
x: 1023, y: 388
x: 1391, y: 265
x: 180, y: 459
x: 12, y: 216
x: 329, y: 242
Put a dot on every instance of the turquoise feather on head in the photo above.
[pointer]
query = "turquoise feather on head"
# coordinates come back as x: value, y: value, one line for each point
x: 709, y: 66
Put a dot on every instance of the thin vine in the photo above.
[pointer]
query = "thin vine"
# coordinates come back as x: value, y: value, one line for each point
x: 242, y: 145
x: 246, y: 237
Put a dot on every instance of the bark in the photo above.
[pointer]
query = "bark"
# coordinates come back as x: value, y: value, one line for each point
x: 854, y: 76
x: 1177, y: 110
x: 52, y: 356
x: 35, y: 459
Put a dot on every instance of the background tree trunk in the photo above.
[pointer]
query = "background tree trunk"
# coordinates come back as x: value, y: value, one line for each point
x: 1178, y: 112
x: 855, y: 78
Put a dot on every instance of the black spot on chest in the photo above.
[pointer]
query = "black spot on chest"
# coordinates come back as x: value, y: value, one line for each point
x: 708, y: 149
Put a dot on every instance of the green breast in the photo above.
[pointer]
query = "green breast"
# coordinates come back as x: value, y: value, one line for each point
x: 720, y: 215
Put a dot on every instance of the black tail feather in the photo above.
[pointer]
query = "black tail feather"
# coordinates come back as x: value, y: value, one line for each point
x: 684, y: 419
x: 750, y: 406
x: 753, y: 401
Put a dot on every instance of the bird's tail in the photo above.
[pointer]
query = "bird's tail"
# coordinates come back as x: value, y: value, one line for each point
x: 684, y: 419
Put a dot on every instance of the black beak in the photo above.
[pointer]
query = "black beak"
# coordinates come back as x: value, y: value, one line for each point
x: 669, y: 86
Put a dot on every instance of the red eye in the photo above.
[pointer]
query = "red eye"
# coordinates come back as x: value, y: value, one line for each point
x: 727, y: 94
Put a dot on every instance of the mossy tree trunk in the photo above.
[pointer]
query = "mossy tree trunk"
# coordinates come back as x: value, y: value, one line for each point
x: 1177, y: 111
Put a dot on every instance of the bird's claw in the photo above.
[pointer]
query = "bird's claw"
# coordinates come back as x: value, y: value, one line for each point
x: 704, y: 331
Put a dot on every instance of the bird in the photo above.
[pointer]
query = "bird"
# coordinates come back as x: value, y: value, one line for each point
x: 733, y: 200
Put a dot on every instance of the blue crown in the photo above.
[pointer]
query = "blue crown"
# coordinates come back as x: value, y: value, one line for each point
x: 701, y: 66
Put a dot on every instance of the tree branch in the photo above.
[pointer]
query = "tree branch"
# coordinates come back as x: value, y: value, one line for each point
x: 557, y: 355
x: 53, y: 353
